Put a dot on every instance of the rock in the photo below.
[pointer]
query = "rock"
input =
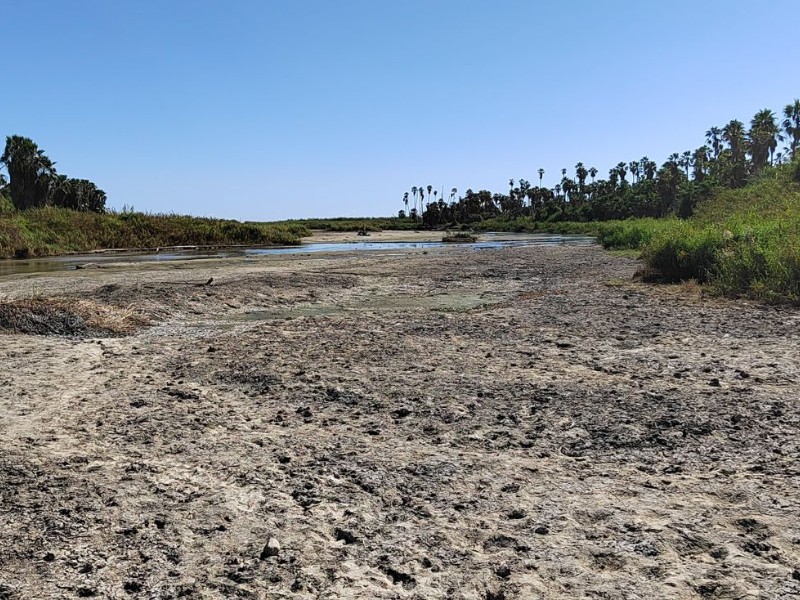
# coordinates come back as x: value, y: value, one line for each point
x: 517, y: 514
x: 542, y: 530
x: 796, y: 574
x: 714, y: 382
x: 272, y: 548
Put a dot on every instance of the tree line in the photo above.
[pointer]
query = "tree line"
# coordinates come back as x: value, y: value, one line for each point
x: 730, y: 157
x: 33, y: 181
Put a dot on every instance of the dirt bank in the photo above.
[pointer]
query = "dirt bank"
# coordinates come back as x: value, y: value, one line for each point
x: 520, y: 423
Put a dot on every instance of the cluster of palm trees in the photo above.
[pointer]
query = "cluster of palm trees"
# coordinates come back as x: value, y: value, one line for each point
x: 34, y: 182
x: 731, y: 156
x: 419, y: 192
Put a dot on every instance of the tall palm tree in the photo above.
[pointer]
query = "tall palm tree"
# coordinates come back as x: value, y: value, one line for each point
x: 405, y: 201
x: 763, y: 138
x: 581, y: 174
x: 686, y: 161
x: 414, y: 191
x: 733, y: 134
x: 453, y: 193
x: 541, y: 174
x: 649, y: 167
x: 593, y: 173
x: 30, y: 172
x: 700, y: 160
x: 714, y: 138
x: 633, y: 167
x: 791, y: 125
x: 622, y: 170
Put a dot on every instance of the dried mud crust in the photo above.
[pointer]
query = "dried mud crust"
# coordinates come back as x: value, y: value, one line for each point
x: 523, y: 423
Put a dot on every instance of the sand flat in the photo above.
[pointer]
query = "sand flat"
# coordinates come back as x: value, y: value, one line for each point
x: 517, y: 423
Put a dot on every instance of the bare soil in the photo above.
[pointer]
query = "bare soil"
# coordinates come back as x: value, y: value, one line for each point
x: 519, y: 423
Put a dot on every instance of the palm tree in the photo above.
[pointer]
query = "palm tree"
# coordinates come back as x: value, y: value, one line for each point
x: 405, y: 201
x: 686, y: 161
x: 581, y: 173
x: 430, y: 187
x: 593, y: 173
x: 30, y: 172
x: 791, y: 125
x: 649, y: 167
x: 414, y: 193
x: 763, y: 137
x: 421, y: 191
x: 633, y: 167
x: 453, y: 193
x: 733, y: 134
x: 541, y: 174
x: 714, y: 137
x: 699, y: 160
x: 622, y: 170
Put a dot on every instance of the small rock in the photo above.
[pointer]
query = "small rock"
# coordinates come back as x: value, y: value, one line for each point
x: 714, y: 382
x: 272, y: 548
x: 517, y: 514
x: 796, y: 574
x: 49, y: 557
x: 542, y: 530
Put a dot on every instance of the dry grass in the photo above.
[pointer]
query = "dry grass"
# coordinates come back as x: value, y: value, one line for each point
x: 66, y: 317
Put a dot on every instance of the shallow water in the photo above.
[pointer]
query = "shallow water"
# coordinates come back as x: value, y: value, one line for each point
x: 490, y: 241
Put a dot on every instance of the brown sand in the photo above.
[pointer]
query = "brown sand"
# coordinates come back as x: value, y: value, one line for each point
x: 521, y: 423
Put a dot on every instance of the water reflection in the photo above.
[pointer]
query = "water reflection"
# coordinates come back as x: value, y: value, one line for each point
x: 490, y: 241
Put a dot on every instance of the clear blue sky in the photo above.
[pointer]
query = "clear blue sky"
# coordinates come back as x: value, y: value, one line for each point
x: 269, y: 109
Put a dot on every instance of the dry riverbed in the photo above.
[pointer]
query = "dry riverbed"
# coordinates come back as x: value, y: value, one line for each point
x: 519, y: 423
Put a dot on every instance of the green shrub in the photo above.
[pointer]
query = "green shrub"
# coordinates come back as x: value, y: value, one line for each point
x: 49, y: 231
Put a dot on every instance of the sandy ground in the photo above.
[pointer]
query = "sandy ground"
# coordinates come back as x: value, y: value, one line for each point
x: 520, y: 423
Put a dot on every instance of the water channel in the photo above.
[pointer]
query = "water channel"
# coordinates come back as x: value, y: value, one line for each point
x: 488, y: 241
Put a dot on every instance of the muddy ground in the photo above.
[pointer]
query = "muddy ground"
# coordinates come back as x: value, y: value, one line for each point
x: 520, y: 423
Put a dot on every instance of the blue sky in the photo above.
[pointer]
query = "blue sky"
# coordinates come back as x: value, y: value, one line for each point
x: 272, y: 109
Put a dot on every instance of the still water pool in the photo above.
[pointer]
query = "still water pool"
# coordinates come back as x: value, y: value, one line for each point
x: 489, y: 241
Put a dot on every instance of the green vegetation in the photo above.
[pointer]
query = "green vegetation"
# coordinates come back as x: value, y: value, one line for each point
x: 50, y: 231
x: 344, y: 224
x: 44, y: 213
x: 726, y: 214
x: 741, y: 242
x: 732, y: 157
x: 34, y: 181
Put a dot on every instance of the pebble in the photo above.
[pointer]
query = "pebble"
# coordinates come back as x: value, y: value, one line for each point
x: 272, y: 548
